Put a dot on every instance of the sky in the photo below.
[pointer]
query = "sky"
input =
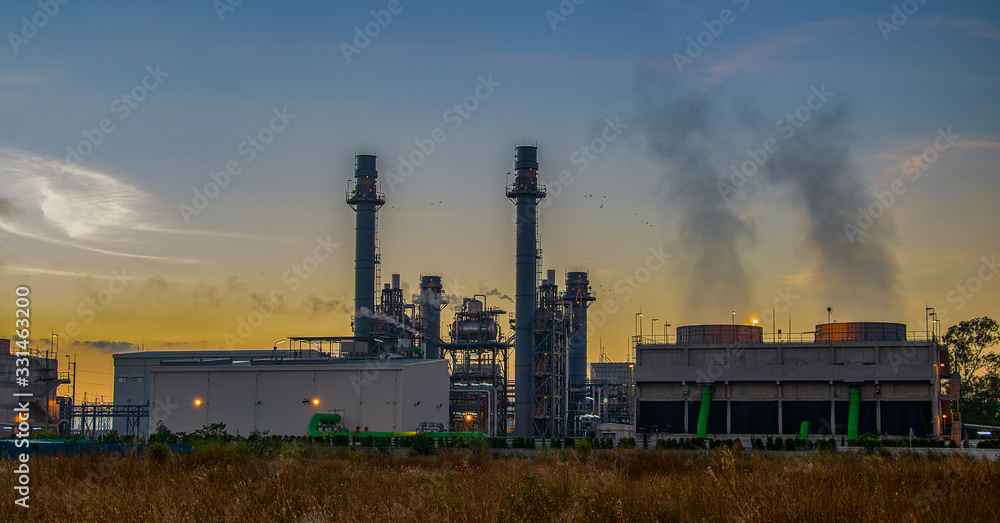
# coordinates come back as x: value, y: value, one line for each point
x: 172, y: 172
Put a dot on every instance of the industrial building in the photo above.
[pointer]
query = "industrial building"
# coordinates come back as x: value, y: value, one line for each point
x: 133, y: 374
x: 280, y: 396
x: 851, y: 379
x: 713, y: 380
x: 462, y: 383
x: 45, y: 407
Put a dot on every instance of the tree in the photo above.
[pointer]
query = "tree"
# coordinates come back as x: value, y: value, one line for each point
x: 968, y: 341
x: 980, y: 401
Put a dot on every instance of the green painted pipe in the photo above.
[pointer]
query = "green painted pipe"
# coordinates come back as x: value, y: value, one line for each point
x: 326, y: 419
x: 804, y: 431
x: 706, y: 404
x: 448, y: 434
x: 852, y: 415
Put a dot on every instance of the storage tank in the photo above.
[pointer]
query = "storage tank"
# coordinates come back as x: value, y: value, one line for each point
x: 860, y: 331
x: 722, y: 333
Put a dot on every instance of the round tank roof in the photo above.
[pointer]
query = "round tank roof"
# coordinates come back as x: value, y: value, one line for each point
x: 860, y: 331
x: 721, y: 333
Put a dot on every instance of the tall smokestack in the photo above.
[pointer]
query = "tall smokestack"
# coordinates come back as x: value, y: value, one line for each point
x: 525, y: 193
x: 431, y: 299
x: 364, y: 197
x: 578, y: 296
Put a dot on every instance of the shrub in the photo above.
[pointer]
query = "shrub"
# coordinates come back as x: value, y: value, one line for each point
x: 422, y: 445
x: 523, y: 443
x: 158, y: 452
x: 583, y: 446
x: 568, y: 443
x: 110, y: 437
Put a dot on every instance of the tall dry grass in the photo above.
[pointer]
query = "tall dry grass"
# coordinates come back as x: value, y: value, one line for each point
x: 613, y: 486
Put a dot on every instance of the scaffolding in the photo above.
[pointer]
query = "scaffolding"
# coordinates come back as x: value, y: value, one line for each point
x: 550, y: 362
x: 479, y: 355
x: 94, y: 418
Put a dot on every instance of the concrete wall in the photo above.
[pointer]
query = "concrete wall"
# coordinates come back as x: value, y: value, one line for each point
x: 791, y: 383
x: 380, y: 395
x: 133, y: 372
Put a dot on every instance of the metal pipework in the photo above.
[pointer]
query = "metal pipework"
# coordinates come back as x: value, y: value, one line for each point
x: 579, y: 296
x: 525, y: 192
x: 852, y: 414
x: 706, y: 405
x: 365, y: 198
x: 431, y: 301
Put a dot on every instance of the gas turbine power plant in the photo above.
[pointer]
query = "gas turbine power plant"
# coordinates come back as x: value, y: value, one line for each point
x: 397, y: 373
x: 396, y: 343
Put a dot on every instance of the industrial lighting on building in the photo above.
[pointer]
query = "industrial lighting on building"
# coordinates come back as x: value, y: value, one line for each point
x: 755, y: 322
x: 197, y: 402
x: 468, y: 417
x: 734, y: 317
x: 316, y: 402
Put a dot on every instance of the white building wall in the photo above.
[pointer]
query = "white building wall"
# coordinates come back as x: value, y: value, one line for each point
x: 278, y: 398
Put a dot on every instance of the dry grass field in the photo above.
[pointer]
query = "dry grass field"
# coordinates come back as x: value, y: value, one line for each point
x: 465, y: 486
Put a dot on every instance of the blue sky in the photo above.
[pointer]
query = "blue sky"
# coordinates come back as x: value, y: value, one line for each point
x: 191, y: 282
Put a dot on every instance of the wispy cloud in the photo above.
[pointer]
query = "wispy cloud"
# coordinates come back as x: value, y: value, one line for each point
x: 71, y: 206
x: 108, y: 347
x: 967, y: 27
x: 766, y: 50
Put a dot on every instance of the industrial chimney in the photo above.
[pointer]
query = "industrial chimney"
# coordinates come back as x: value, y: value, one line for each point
x: 578, y: 297
x: 525, y: 192
x: 364, y: 197
x: 430, y: 300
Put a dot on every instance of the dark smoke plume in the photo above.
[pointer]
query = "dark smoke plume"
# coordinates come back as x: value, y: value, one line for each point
x: 854, y: 268
x: 688, y: 131
x: 698, y: 134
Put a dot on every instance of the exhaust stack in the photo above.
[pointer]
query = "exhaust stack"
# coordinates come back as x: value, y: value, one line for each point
x: 364, y: 197
x: 578, y: 297
x: 525, y: 192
